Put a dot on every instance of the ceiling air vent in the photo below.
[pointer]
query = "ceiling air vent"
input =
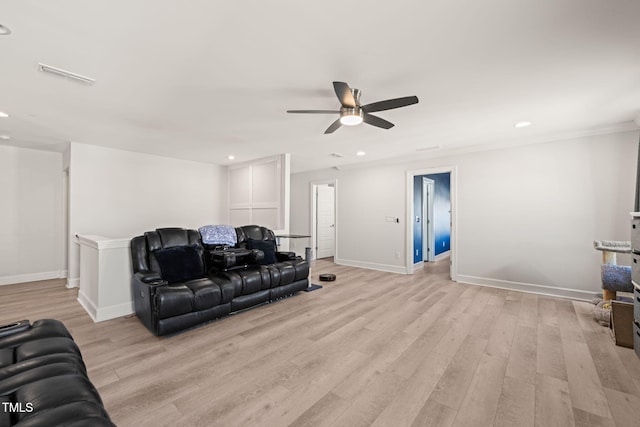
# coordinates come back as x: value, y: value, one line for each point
x: 337, y: 155
x: 64, y: 73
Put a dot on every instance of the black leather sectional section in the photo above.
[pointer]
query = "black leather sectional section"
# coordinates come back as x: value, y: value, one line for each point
x: 43, y: 379
x: 175, y: 288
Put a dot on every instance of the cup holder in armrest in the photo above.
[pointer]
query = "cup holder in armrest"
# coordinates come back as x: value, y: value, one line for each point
x: 13, y: 328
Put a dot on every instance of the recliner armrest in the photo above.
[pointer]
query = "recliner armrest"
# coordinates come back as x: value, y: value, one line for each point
x: 145, y: 283
x: 151, y: 277
x: 14, y: 327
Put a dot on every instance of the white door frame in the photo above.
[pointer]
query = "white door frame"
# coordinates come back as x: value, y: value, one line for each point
x: 428, y: 237
x: 313, y: 219
x: 454, y: 219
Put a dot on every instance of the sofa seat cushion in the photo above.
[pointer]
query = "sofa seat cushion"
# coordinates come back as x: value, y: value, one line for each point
x: 16, y: 381
x: 6, y: 357
x: 44, y: 328
x: 179, y: 263
x: 206, y: 293
x: 47, y: 359
x: 46, y: 346
x: 55, y: 392
x: 173, y: 301
x: 302, y: 269
x: 249, y: 280
x: 286, y: 272
x: 74, y: 414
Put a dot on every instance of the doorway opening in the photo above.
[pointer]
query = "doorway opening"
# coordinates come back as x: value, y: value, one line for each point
x: 428, y: 219
x: 324, y: 219
x: 431, y: 217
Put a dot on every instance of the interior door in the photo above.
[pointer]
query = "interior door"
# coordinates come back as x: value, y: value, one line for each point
x: 428, y: 233
x: 325, y: 221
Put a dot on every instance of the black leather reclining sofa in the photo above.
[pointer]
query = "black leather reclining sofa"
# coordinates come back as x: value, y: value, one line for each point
x: 174, y: 287
x: 43, y: 379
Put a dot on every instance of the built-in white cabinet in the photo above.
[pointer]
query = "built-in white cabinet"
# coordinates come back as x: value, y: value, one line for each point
x: 258, y: 193
x: 105, y: 277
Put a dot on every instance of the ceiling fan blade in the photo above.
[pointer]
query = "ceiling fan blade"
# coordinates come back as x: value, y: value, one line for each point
x: 334, y: 126
x: 344, y: 94
x: 313, y: 111
x: 390, y: 104
x: 377, y: 121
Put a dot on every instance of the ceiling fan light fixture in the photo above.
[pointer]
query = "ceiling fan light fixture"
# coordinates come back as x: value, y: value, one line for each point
x: 351, y: 116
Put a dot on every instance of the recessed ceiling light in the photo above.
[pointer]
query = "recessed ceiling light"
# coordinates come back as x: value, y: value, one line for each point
x: 2, y: 114
x: 360, y: 153
x: 522, y: 124
x: 4, y: 31
x: 231, y: 157
x: 5, y: 137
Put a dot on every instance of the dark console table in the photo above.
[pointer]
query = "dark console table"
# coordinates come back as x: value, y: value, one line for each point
x: 307, y: 250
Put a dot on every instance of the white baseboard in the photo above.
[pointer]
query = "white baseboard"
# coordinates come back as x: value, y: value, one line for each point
x: 418, y: 265
x: 88, y: 305
x: 31, y: 277
x: 114, y: 311
x: 372, y: 266
x: 73, y: 283
x: 104, y: 313
x: 576, y: 294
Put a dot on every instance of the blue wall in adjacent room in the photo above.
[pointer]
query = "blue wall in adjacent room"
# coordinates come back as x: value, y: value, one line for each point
x: 441, y: 214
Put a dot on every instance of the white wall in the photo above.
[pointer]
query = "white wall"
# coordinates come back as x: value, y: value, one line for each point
x: 31, y: 215
x: 526, y: 215
x: 118, y: 193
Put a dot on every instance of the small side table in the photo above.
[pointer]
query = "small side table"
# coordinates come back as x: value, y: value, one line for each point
x: 307, y: 250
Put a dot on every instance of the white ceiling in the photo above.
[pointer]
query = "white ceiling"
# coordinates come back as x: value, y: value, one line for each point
x: 202, y: 79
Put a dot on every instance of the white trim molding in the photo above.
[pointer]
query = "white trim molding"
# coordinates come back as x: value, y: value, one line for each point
x: 104, y: 313
x: 575, y: 294
x: 372, y: 266
x: 73, y: 283
x: 31, y: 277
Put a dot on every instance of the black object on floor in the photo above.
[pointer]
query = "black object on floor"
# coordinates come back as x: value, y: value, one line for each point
x: 312, y: 287
x: 327, y: 277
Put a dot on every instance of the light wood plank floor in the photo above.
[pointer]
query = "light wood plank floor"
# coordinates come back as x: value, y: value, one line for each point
x: 370, y: 348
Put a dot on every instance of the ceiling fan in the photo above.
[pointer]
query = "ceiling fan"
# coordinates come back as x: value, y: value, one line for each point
x: 352, y: 113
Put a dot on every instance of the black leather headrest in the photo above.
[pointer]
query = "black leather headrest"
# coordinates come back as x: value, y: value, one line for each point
x: 254, y: 232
